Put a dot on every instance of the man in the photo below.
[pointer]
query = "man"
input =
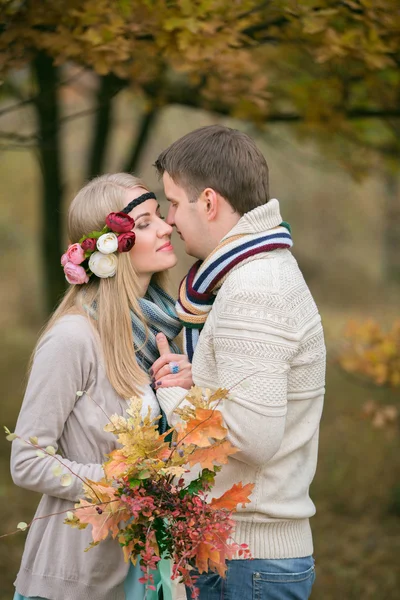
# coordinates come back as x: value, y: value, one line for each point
x: 251, y: 326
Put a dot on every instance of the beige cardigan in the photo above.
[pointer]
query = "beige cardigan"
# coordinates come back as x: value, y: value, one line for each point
x: 54, y: 564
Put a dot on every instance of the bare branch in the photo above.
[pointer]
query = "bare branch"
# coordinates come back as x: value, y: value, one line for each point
x: 365, y: 113
x: 18, y: 138
x: 254, y: 10
x: 15, y: 107
x: 27, y: 101
x: 15, y: 147
x: 254, y: 29
x: 135, y: 153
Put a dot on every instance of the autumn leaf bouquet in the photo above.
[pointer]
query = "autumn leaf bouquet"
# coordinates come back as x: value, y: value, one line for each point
x: 147, y: 503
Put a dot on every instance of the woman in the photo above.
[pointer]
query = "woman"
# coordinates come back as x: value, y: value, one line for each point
x: 100, y: 340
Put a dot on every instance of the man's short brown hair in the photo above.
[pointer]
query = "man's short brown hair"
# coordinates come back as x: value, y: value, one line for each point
x: 224, y: 159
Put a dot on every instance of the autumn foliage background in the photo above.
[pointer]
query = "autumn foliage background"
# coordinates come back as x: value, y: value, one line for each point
x: 91, y: 86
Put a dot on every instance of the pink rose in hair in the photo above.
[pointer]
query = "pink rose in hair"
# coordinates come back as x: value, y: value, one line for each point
x: 119, y: 222
x: 75, y: 254
x: 126, y: 241
x: 75, y: 274
x: 89, y: 245
x: 64, y: 259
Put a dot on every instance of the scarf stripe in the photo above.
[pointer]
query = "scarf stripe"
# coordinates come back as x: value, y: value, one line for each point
x: 219, y: 277
x: 190, y: 307
x: 207, y: 277
x: 158, y: 310
x: 198, y: 290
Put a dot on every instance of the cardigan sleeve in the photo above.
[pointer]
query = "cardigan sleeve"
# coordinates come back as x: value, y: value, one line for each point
x: 61, y: 367
x: 255, y: 410
x: 170, y: 399
x: 252, y: 354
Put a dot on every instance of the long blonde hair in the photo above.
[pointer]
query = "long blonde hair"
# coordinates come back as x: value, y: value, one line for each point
x: 113, y: 297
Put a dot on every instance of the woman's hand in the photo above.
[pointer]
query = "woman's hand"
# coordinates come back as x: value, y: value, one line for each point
x: 161, y: 371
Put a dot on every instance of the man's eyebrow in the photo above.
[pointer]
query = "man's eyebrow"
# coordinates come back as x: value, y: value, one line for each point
x: 147, y: 214
x: 171, y: 199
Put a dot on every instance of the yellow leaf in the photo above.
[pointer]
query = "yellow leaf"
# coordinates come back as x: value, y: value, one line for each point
x: 176, y: 471
x: 57, y: 470
x: 66, y: 480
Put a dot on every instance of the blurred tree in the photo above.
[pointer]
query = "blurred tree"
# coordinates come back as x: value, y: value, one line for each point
x: 372, y: 353
x: 332, y: 69
x: 372, y: 356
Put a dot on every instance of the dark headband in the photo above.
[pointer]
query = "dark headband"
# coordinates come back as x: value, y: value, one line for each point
x: 137, y: 201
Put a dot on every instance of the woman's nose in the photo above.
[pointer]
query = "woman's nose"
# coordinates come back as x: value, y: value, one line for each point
x: 164, y: 229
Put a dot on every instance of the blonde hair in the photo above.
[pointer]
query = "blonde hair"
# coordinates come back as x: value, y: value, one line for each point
x: 113, y: 297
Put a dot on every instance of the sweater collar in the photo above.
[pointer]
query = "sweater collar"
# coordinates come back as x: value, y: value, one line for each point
x: 259, y: 219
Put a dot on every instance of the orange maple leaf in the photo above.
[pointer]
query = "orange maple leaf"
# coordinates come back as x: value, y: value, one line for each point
x: 164, y: 452
x: 206, y: 424
x: 117, y: 464
x: 207, y: 555
x: 127, y: 548
x: 127, y: 552
x: 103, y: 518
x: 238, y: 494
x: 218, y: 453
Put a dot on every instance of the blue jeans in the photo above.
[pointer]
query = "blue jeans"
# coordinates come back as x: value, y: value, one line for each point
x: 260, y: 579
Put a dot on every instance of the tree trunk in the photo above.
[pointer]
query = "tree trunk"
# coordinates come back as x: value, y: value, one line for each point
x: 110, y: 85
x: 47, y: 107
x: 132, y: 162
x: 392, y: 228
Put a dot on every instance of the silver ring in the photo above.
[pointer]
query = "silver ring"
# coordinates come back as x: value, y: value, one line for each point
x: 173, y: 368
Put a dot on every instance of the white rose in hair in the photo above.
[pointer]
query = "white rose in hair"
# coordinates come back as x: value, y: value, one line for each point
x: 103, y: 265
x: 107, y: 243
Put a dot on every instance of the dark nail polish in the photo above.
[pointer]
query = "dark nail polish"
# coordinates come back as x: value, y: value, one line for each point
x: 151, y: 372
x: 159, y: 383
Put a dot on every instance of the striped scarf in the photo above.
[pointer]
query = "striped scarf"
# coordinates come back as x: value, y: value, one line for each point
x: 199, y: 288
x: 158, y: 309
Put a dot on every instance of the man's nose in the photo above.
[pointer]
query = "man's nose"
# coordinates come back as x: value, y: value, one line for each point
x: 170, y: 217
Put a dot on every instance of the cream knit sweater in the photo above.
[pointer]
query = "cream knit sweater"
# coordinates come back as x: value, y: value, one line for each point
x: 263, y: 339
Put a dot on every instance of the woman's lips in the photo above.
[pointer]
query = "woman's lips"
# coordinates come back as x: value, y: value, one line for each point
x: 168, y: 247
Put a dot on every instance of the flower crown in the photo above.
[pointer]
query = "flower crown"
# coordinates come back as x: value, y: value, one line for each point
x: 96, y: 252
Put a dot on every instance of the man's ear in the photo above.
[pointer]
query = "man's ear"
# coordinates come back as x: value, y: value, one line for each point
x: 209, y: 200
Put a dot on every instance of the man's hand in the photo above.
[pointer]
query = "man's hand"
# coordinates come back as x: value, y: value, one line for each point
x: 161, y: 369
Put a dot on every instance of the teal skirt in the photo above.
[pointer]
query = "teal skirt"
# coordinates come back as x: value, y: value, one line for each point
x: 135, y: 590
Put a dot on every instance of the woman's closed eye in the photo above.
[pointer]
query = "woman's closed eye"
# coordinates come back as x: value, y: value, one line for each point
x: 145, y: 224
